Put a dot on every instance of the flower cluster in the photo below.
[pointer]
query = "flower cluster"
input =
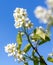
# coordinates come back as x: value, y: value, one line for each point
x: 49, y: 3
x: 12, y: 51
x: 44, y: 14
x: 21, y: 17
x: 19, y: 56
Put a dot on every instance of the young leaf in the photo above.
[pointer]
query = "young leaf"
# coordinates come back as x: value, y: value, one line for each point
x: 25, y: 63
x: 33, y: 53
x: 43, y: 41
x: 19, y: 40
x: 35, y: 37
x: 41, y: 35
x: 35, y: 58
x: 41, y: 62
x: 27, y: 48
x: 50, y: 59
x: 35, y: 61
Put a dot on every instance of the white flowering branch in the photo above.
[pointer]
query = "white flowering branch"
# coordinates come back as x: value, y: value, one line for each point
x: 38, y: 36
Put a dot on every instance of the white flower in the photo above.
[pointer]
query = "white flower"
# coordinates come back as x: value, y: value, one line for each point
x: 21, y: 11
x: 19, y: 56
x: 29, y: 24
x: 18, y: 24
x: 40, y: 12
x: 51, y: 54
x: 10, y: 49
x: 21, y: 17
x: 43, y: 14
x: 40, y: 27
x: 49, y: 3
x: 23, y: 53
x: 32, y: 34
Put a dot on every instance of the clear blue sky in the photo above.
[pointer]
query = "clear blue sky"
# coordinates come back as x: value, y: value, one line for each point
x: 8, y: 32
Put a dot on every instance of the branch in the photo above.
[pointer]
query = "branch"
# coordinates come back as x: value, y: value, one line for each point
x: 34, y: 47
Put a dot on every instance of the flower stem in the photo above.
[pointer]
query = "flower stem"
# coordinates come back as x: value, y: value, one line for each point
x: 34, y: 47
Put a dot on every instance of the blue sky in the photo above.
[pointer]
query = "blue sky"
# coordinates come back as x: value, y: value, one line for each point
x: 8, y: 32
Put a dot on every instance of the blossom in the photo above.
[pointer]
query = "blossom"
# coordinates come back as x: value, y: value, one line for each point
x: 49, y: 3
x: 29, y: 25
x: 40, y: 12
x: 43, y: 14
x: 21, y: 17
x: 20, y: 11
x: 18, y: 24
x: 51, y: 54
x: 40, y: 27
x: 10, y: 49
x: 32, y: 35
x: 19, y: 56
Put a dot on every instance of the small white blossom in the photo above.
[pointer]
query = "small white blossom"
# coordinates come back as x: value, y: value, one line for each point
x: 19, y: 56
x: 51, y: 54
x: 43, y: 14
x: 10, y: 49
x: 23, y: 53
x: 21, y: 11
x: 40, y: 27
x: 32, y: 34
x: 39, y: 12
x: 49, y: 3
x: 22, y: 33
x: 29, y: 25
x: 21, y: 17
x: 18, y: 24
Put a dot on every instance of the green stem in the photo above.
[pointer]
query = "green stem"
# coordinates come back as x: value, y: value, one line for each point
x: 29, y: 57
x: 33, y: 46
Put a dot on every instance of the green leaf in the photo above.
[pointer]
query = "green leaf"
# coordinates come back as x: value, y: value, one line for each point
x: 19, y: 40
x: 41, y: 62
x: 40, y: 35
x: 35, y: 58
x: 50, y: 59
x: 27, y: 48
x: 43, y: 41
x: 35, y: 61
x: 35, y: 37
x: 33, y: 53
x: 26, y: 63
